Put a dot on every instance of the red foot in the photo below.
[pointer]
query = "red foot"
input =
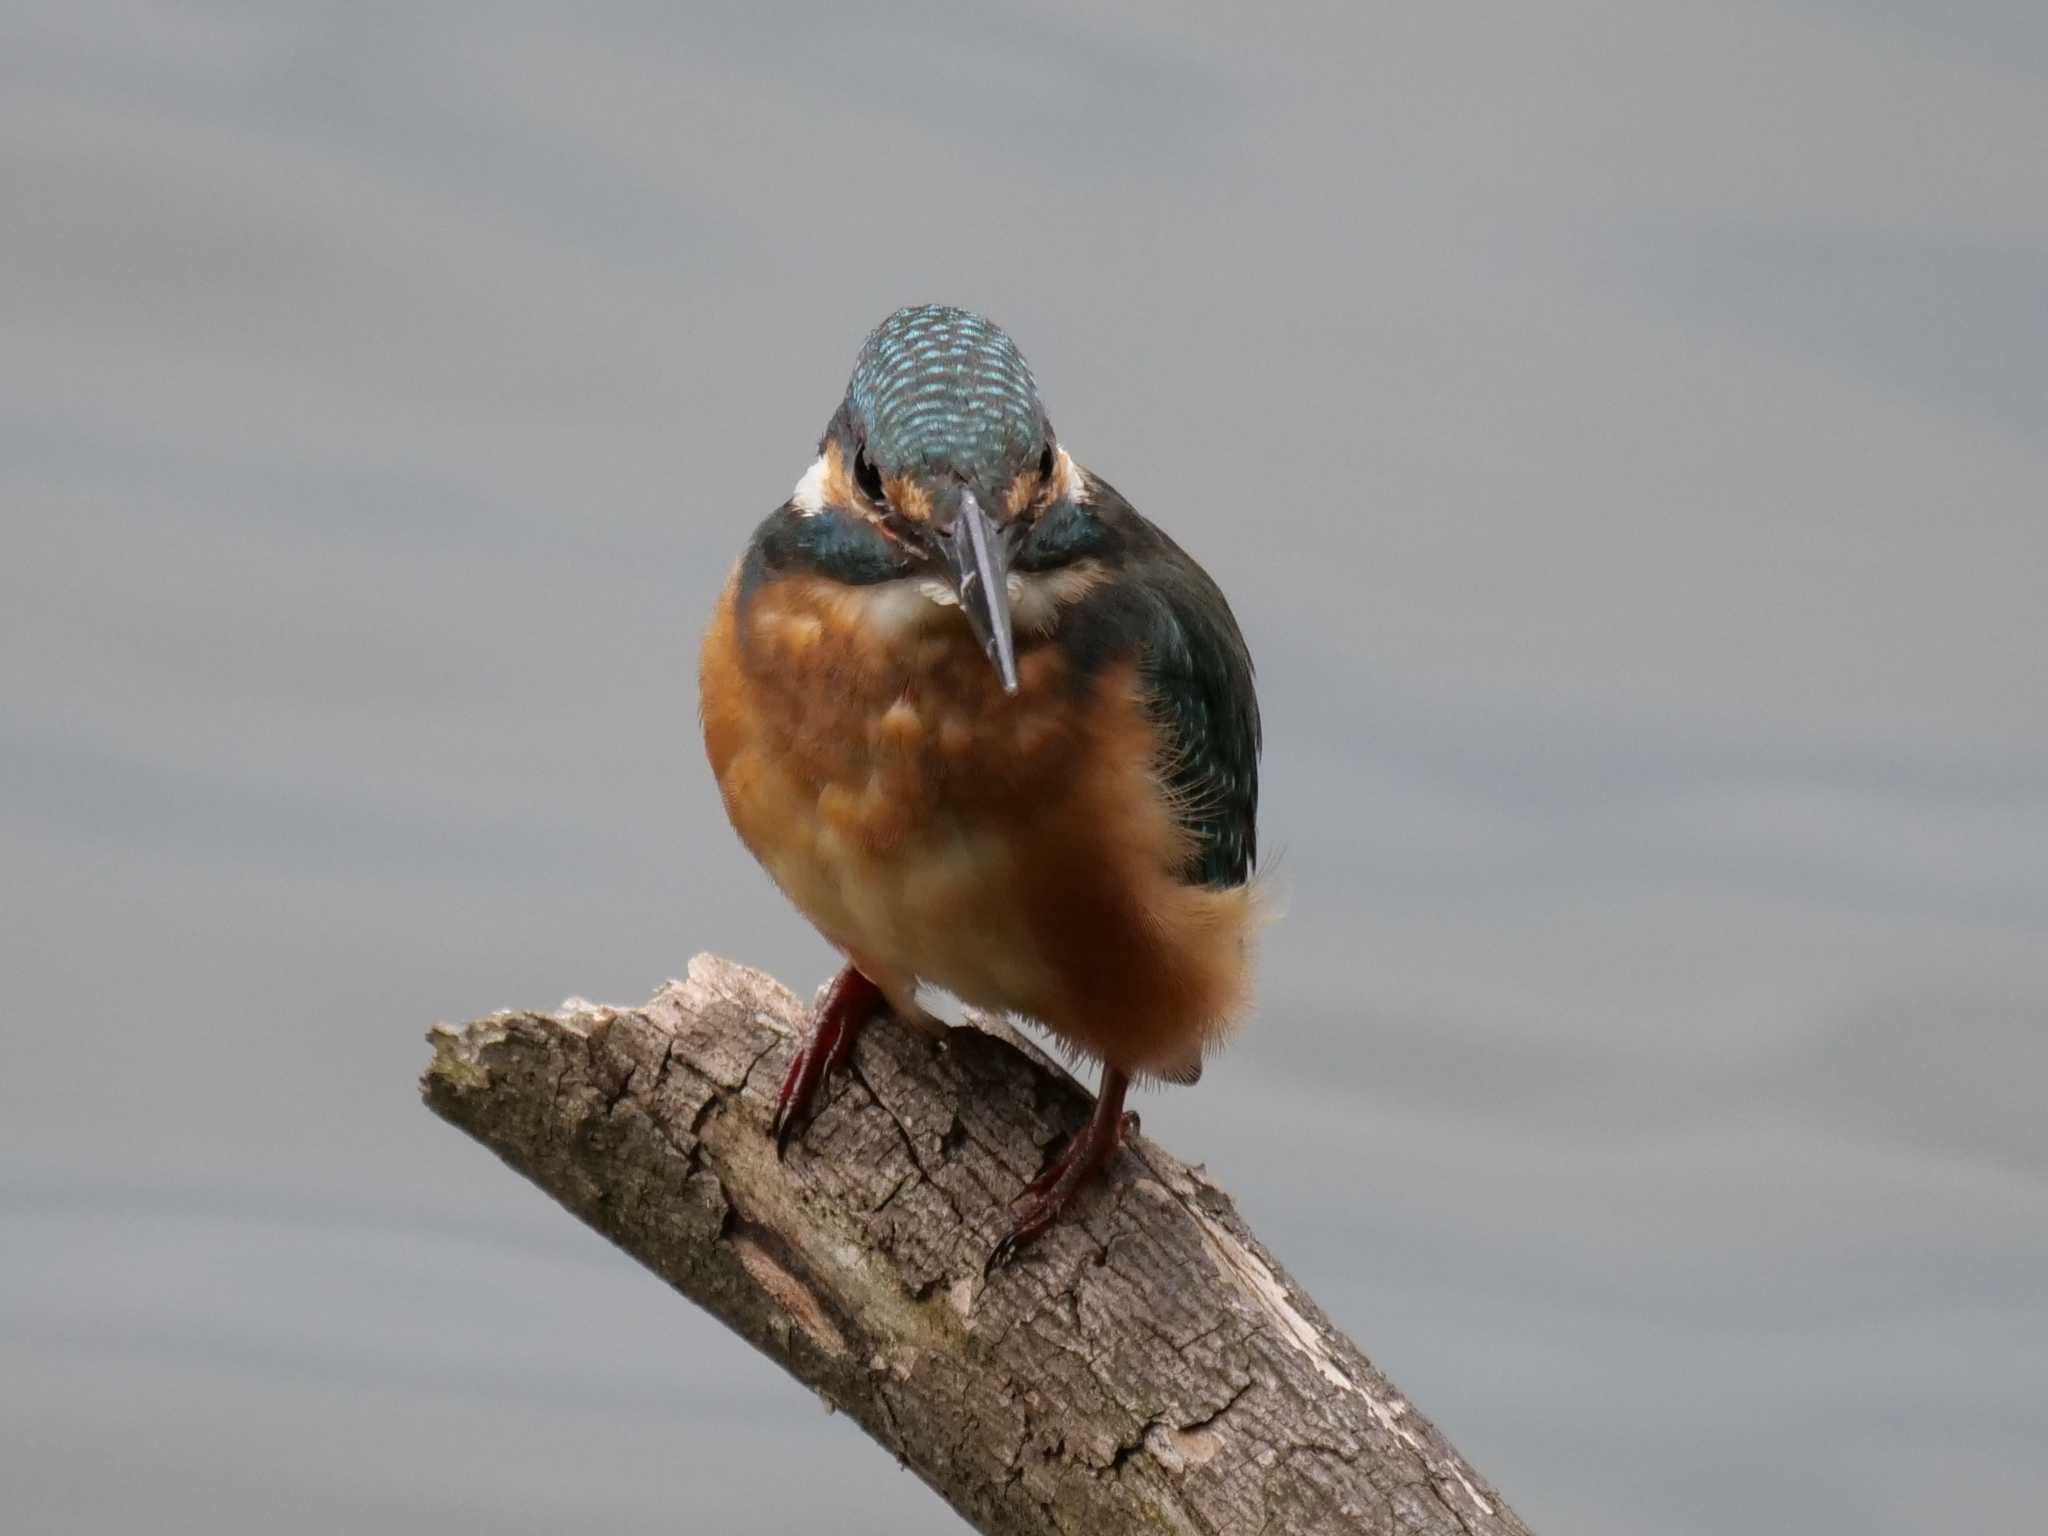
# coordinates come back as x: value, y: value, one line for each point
x: 1085, y: 1155
x: 850, y: 1002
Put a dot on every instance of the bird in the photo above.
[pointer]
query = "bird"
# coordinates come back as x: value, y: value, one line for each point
x: 991, y: 731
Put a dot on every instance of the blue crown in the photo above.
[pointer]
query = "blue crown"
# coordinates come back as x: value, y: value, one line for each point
x: 939, y: 388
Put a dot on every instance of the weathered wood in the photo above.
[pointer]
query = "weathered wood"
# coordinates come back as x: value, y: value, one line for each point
x: 1145, y: 1367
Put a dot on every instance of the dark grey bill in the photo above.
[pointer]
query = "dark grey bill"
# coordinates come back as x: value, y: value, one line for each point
x: 981, y: 578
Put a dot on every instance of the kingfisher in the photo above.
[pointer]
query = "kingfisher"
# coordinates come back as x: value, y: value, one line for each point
x: 990, y: 731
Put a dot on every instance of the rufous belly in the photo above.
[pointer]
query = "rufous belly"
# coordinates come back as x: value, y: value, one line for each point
x: 1017, y: 852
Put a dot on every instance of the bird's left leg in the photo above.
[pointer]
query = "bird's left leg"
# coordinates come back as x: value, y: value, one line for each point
x: 850, y: 1002
x: 1086, y: 1155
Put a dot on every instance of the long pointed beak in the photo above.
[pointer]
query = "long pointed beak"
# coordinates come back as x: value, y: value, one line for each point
x: 980, y: 576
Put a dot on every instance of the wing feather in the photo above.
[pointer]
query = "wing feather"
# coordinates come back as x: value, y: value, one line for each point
x: 1165, y: 609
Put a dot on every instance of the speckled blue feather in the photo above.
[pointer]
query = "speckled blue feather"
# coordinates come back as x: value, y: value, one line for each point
x: 937, y: 388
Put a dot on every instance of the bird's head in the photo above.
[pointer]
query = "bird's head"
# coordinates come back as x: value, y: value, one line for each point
x: 942, y: 448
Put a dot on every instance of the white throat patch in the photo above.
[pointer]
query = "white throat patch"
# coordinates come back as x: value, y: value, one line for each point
x: 809, y: 495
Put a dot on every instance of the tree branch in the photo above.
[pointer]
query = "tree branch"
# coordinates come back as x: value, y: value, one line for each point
x: 1146, y: 1366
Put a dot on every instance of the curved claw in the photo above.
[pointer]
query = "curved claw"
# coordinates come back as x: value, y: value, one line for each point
x: 1088, y: 1152
x: 799, y: 1087
x: 1010, y: 1245
x: 849, y: 1004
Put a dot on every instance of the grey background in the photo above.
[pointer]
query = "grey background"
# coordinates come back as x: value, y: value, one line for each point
x: 1619, y: 428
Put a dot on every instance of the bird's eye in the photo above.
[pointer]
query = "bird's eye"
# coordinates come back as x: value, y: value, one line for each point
x: 867, y: 477
x: 1046, y: 463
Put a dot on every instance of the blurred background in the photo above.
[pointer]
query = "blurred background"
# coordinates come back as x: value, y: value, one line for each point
x: 1620, y: 429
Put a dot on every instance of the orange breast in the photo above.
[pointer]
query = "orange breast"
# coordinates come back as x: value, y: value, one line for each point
x: 1018, y: 852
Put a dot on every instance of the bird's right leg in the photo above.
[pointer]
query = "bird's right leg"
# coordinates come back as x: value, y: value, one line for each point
x: 1091, y: 1150
x: 850, y: 1002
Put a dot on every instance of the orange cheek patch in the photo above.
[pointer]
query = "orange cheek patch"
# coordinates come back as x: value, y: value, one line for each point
x: 1023, y: 492
x: 909, y: 498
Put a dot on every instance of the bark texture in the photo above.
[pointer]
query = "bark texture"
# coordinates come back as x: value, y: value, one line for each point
x: 1147, y: 1366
